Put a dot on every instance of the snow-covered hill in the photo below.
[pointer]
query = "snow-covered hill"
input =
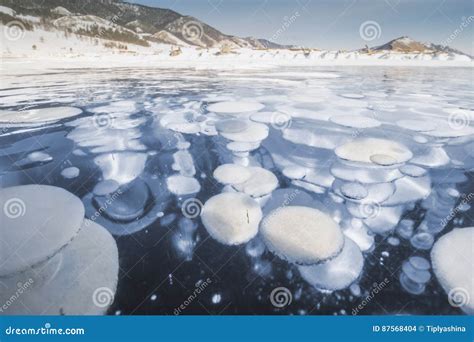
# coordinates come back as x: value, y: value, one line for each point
x: 60, y: 32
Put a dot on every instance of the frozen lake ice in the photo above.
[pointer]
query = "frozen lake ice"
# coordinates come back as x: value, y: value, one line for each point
x: 328, y: 182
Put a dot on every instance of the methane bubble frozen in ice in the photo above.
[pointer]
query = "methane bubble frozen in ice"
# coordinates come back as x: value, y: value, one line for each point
x: 352, y: 96
x: 362, y: 149
x: 417, y: 125
x: 260, y: 183
x: 354, y: 191
x: 235, y: 107
x: 231, y: 126
x: 129, y: 205
x: 239, y: 147
x: 419, y: 263
x: 105, y: 187
x: 422, y: 240
x: 231, y: 218
x: 37, y: 221
x: 121, y: 167
x: 416, y: 275
x: 70, y: 172
x: 184, y: 127
x: 278, y: 118
x: 413, y: 170
x: 355, y: 121
x: 255, y: 247
x: 383, y: 160
x: 294, y: 172
x: 451, y: 258
x: 182, y: 185
x: 254, y: 132
x: 364, y: 175
x: 232, y: 174
x: 358, y: 232
x: 301, y: 235
x: 81, y: 279
x: 38, y: 116
x: 338, y: 273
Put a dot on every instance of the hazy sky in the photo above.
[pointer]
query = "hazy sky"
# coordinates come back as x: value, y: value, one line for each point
x: 335, y: 24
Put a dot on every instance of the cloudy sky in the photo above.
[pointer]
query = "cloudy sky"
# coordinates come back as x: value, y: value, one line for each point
x: 335, y: 24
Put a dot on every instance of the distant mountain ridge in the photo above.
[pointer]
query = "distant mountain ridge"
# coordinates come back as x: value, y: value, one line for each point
x: 122, y: 22
x: 156, y: 24
x: 406, y: 44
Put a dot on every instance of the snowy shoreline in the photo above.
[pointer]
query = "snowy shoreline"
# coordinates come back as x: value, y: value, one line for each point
x: 18, y: 65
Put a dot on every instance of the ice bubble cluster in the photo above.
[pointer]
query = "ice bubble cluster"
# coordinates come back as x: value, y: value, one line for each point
x: 415, y: 275
x: 316, y: 173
